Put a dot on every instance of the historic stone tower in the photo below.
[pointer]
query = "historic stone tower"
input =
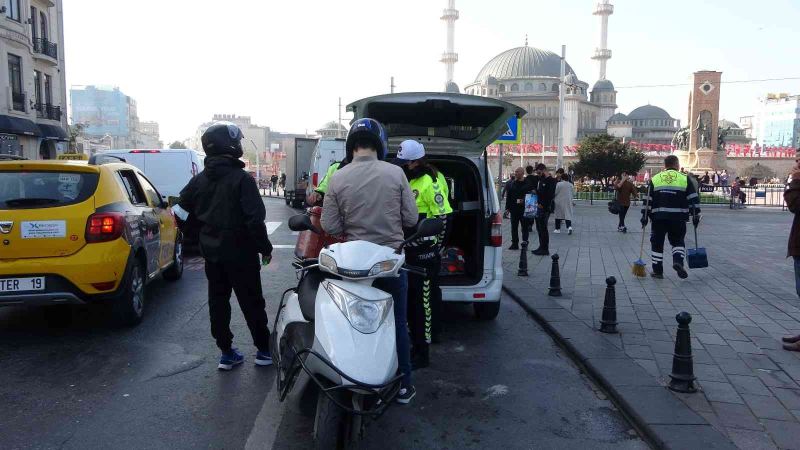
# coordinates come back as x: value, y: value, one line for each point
x: 704, y: 121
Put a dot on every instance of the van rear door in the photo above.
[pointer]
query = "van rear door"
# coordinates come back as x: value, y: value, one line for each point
x: 168, y: 171
x: 446, y: 123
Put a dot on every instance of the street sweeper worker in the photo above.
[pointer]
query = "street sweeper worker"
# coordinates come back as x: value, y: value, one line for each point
x: 671, y: 199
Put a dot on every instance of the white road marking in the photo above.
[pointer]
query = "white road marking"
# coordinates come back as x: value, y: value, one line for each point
x: 272, y: 226
x: 265, y: 428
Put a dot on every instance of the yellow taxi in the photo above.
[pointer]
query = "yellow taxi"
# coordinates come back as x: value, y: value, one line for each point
x: 78, y: 232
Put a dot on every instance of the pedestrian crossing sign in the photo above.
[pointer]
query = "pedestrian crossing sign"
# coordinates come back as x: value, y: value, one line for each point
x: 511, y: 133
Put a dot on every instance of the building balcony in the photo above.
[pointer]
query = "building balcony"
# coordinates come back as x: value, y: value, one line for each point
x: 602, y: 53
x: 450, y: 14
x: 449, y: 57
x: 45, y: 47
x: 49, y: 112
x: 18, y: 101
x: 604, y: 8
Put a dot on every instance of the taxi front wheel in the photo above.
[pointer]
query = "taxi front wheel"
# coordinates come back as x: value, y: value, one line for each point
x: 128, y: 308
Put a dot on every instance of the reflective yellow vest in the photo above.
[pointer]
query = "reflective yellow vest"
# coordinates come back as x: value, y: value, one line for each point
x: 432, y: 197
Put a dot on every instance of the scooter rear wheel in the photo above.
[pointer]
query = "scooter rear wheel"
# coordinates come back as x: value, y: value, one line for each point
x: 330, y: 424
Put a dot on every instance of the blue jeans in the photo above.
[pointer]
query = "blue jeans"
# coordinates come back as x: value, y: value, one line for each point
x: 797, y: 274
x: 398, y: 288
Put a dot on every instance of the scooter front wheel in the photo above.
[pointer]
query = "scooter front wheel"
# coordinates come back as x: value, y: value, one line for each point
x: 330, y: 424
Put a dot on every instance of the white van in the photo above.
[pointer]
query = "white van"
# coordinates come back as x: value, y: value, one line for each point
x: 456, y: 129
x: 327, y: 152
x: 168, y: 169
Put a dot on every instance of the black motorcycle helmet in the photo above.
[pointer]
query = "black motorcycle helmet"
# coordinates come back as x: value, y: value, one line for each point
x: 223, y: 138
x: 366, y: 131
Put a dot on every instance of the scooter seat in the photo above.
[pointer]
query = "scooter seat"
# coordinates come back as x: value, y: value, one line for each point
x: 307, y: 292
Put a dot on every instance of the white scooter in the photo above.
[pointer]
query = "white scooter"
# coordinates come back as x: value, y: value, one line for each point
x: 340, y: 330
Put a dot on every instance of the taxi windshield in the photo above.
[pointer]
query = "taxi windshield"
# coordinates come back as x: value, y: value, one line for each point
x: 27, y: 190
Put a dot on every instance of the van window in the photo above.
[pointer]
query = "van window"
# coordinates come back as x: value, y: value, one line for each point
x: 168, y: 171
x: 28, y: 190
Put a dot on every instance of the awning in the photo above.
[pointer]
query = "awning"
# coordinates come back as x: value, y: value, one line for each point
x: 53, y: 132
x: 18, y: 125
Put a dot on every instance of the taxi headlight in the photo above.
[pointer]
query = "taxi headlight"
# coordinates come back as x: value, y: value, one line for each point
x: 366, y: 316
x: 327, y: 263
x: 383, y: 267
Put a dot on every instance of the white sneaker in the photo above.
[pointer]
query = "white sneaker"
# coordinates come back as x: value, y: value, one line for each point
x: 569, y: 230
x: 557, y: 231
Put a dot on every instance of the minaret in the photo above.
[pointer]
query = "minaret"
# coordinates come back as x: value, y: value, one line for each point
x: 603, y: 54
x: 450, y: 57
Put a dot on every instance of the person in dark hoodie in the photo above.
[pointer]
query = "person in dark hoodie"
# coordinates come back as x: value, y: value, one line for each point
x: 225, y: 200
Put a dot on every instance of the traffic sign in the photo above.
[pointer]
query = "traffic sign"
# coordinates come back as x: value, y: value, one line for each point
x: 511, y: 134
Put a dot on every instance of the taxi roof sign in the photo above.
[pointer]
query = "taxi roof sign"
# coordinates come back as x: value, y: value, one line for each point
x: 72, y: 157
x: 511, y: 135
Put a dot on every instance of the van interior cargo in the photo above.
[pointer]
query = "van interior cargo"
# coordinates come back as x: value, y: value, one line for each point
x: 469, y: 230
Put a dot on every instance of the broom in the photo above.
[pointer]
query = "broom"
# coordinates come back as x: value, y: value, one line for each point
x: 639, y: 268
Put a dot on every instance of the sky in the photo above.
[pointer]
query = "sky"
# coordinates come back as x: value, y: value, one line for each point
x: 287, y: 63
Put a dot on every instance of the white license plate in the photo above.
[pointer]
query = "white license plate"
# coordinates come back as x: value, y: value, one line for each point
x: 21, y: 284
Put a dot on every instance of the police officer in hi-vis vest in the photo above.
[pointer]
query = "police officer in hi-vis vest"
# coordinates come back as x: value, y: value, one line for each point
x: 671, y: 198
x: 424, y: 295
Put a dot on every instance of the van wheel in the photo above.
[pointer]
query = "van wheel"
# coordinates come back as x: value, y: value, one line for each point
x: 175, y: 271
x: 128, y: 308
x: 486, y: 311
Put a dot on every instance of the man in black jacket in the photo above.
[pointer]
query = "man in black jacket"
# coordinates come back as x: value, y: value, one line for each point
x: 225, y: 200
x: 515, y: 206
x: 546, y: 191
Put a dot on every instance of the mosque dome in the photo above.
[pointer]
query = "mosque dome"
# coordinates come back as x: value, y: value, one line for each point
x: 603, y: 85
x: 452, y: 87
x: 648, y: 112
x: 523, y: 62
x: 728, y: 124
x: 618, y: 118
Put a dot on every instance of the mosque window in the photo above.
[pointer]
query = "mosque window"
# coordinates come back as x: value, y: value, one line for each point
x: 555, y: 87
x: 484, y: 91
x: 515, y: 87
x: 502, y: 88
x: 542, y: 87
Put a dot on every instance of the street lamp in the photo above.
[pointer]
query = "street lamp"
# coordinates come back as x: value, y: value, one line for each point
x: 258, y: 165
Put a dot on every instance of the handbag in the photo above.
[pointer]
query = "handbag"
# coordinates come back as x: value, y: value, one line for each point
x: 613, y: 206
x: 531, y: 206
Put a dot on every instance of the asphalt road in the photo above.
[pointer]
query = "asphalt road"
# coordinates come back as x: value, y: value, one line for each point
x: 86, y: 385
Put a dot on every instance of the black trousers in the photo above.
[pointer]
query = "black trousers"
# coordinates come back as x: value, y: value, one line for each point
x: 424, y: 299
x: 541, y: 229
x: 245, y: 281
x: 558, y: 223
x: 517, y: 219
x: 675, y: 231
x: 623, y: 211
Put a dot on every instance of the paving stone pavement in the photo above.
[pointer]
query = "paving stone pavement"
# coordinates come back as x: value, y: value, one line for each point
x: 741, y: 306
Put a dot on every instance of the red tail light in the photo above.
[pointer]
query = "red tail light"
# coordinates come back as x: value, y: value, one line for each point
x: 315, y: 179
x: 145, y: 151
x: 104, y: 227
x: 496, y: 238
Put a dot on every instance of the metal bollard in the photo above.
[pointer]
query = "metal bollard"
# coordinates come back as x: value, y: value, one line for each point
x: 682, y: 376
x: 608, y: 323
x: 555, y: 279
x: 523, y: 261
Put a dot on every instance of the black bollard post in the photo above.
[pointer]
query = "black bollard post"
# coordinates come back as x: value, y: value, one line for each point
x: 608, y: 323
x: 555, y: 279
x: 523, y: 261
x: 682, y: 366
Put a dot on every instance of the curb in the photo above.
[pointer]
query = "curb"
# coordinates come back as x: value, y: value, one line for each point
x: 661, y: 418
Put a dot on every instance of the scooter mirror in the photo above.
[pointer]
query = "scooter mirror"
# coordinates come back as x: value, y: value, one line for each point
x: 301, y: 222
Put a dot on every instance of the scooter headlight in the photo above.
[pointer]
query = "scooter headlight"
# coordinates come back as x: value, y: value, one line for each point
x: 328, y: 263
x: 383, y: 267
x: 366, y: 316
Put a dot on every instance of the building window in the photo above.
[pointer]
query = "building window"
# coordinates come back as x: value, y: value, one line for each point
x: 15, y: 80
x: 555, y: 87
x: 48, y: 90
x: 484, y: 91
x: 502, y: 88
x: 43, y: 24
x: 34, y: 30
x: 12, y: 12
x: 515, y: 87
x: 542, y: 87
x: 37, y: 89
